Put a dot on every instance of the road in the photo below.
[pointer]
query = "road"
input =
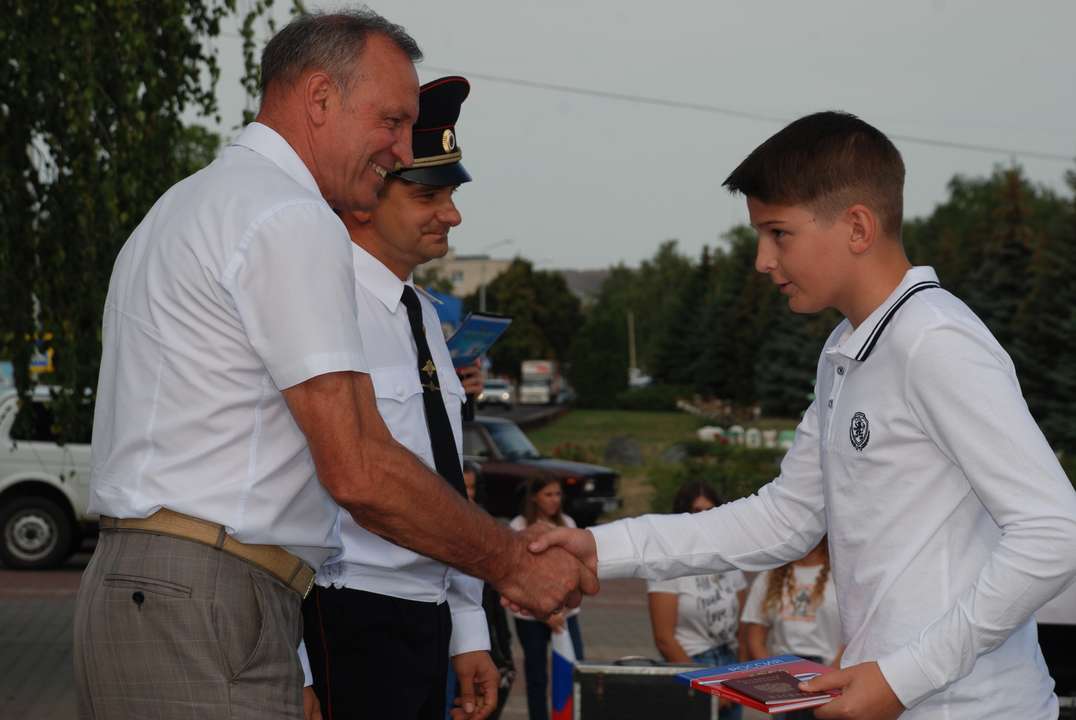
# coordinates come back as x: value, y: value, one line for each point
x: 36, y: 611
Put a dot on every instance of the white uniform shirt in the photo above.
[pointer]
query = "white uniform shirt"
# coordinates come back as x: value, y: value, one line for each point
x: 800, y: 626
x: 236, y: 285
x: 950, y: 520
x: 367, y: 561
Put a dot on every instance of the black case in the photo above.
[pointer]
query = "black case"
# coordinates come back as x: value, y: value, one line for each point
x: 637, y: 688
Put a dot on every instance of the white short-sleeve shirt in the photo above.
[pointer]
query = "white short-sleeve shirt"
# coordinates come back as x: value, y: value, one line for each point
x: 236, y: 285
x: 800, y: 625
x: 368, y: 562
x: 707, y: 609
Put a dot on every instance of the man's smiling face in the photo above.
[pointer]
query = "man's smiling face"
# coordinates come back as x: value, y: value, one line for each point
x: 368, y: 131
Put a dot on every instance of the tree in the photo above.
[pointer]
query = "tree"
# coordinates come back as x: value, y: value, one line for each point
x: 599, y: 356
x: 1045, y: 346
x: 785, y: 371
x: 545, y: 315
x: 682, y: 339
x: 92, y: 96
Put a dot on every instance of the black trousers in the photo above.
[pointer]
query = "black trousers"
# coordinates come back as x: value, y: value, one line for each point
x: 376, y: 656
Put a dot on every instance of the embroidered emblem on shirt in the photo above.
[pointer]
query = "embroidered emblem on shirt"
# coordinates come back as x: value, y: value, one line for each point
x: 860, y: 431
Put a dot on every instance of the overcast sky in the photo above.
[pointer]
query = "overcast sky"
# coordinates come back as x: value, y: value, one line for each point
x: 584, y: 181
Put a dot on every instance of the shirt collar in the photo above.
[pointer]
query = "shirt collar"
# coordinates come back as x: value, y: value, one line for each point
x: 378, y: 279
x: 270, y: 144
x: 859, y: 344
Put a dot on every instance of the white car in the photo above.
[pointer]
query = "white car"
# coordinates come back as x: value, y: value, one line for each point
x: 44, y: 486
x: 496, y: 392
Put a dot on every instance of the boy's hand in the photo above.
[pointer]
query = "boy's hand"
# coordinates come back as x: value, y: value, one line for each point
x: 865, y: 694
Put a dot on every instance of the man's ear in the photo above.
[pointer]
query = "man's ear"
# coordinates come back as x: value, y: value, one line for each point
x: 863, y: 228
x: 319, y: 92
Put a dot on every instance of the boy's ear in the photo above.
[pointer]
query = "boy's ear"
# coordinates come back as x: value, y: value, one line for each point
x: 863, y: 228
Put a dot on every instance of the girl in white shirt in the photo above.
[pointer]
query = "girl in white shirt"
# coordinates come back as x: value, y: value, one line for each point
x: 543, y: 505
x: 792, y: 610
x: 696, y: 619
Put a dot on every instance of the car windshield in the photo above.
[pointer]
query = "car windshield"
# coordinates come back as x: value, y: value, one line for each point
x: 511, y: 441
x: 496, y: 384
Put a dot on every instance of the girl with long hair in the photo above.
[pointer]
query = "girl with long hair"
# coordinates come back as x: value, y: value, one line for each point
x: 542, y: 505
x: 792, y: 610
x: 696, y: 619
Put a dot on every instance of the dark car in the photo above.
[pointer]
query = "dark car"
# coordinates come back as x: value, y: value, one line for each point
x: 509, y: 460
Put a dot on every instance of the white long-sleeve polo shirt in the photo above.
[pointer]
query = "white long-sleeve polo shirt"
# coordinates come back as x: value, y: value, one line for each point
x: 367, y: 561
x: 950, y: 519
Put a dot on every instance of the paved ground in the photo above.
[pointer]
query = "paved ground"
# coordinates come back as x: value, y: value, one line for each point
x: 36, y: 610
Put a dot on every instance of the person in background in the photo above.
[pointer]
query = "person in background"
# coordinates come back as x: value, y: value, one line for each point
x: 696, y: 619
x: 542, y: 506
x: 792, y: 610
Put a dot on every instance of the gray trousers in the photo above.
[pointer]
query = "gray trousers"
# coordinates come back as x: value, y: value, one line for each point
x: 168, y: 629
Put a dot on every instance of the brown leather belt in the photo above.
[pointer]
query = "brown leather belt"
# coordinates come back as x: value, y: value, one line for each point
x: 273, y: 559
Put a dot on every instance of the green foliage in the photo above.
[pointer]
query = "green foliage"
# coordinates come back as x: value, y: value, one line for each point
x: 599, y: 365
x: 90, y: 123
x: 1008, y: 248
x: 545, y: 315
x: 734, y: 471
x: 574, y: 452
x: 653, y: 398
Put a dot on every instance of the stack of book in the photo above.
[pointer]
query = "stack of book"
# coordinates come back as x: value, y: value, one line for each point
x: 770, y: 685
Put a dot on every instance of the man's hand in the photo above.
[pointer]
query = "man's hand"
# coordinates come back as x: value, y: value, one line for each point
x: 540, y: 584
x: 864, y: 694
x: 311, y: 706
x: 479, y: 680
x: 471, y: 377
x: 543, y: 542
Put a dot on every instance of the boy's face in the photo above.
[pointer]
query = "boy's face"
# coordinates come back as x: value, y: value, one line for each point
x: 805, y: 255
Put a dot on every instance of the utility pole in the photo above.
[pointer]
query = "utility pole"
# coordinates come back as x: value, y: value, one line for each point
x: 482, y: 285
x: 631, y: 346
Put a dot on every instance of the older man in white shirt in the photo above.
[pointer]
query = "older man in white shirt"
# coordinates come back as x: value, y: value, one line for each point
x: 233, y: 371
x: 376, y: 607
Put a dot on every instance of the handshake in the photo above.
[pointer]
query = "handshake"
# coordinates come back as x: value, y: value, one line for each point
x: 550, y: 569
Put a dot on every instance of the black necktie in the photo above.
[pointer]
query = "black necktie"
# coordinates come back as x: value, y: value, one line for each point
x: 445, y: 457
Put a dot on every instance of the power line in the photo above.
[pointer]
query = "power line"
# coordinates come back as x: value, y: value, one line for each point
x: 739, y: 114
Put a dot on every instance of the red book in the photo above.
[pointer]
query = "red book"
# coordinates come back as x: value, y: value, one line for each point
x: 789, y: 670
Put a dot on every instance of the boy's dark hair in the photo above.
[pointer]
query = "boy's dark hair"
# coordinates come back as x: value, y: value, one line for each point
x: 828, y: 161
x: 331, y: 42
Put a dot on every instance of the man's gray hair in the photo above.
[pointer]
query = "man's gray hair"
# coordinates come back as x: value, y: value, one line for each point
x: 331, y: 42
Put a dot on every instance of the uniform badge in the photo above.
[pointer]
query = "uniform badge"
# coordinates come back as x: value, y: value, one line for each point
x: 448, y: 140
x: 432, y: 382
x: 859, y: 432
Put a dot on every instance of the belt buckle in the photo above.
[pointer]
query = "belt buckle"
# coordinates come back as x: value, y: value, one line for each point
x: 309, y: 585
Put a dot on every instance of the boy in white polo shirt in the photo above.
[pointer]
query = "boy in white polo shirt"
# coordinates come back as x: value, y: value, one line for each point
x: 950, y: 520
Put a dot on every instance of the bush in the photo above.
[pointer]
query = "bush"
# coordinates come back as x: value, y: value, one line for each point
x: 653, y: 398
x: 734, y: 471
x: 572, y: 451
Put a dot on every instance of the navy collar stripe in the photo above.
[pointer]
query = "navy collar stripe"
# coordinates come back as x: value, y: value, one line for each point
x: 872, y: 339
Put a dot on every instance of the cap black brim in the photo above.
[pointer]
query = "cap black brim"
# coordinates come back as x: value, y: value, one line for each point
x: 437, y: 175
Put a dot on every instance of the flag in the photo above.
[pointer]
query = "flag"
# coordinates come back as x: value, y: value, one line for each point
x: 563, y: 663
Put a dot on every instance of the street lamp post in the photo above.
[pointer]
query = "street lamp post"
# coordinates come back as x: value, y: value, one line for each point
x: 482, y: 284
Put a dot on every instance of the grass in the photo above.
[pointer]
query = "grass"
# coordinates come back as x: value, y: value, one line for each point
x: 583, y: 435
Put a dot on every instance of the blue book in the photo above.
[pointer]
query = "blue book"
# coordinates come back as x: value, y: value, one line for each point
x: 475, y: 335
